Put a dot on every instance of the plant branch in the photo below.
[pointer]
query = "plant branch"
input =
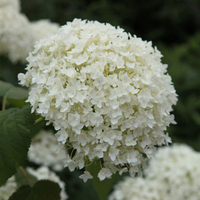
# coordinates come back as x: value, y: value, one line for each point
x: 24, y: 174
x: 4, y: 104
x: 37, y: 121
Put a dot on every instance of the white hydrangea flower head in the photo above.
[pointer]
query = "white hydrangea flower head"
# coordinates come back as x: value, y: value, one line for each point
x: 15, y: 35
x: 44, y: 173
x: 8, y: 188
x: 107, y: 94
x: 43, y: 151
x: 15, y: 4
x: 43, y: 28
x: 135, y: 189
x: 176, y: 169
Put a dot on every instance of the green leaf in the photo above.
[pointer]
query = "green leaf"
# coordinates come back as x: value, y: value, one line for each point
x: 15, y: 141
x: 42, y: 190
x: 31, y: 118
x: 11, y: 92
x: 19, y: 103
x: 46, y: 190
x: 22, y: 193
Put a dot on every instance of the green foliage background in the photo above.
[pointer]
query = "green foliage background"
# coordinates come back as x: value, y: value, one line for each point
x: 172, y: 25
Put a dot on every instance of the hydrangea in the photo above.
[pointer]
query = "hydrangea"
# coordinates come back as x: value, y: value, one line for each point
x: 16, y: 37
x: 44, y: 173
x: 135, y: 189
x: 43, y: 151
x: 15, y: 4
x: 42, y: 28
x: 106, y: 92
x: 177, y: 170
x: 174, y: 174
x: 8, y: 188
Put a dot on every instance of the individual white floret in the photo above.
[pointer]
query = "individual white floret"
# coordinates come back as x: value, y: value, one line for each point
x: 106, y: 91
x: 43, y: 173
x: 43, y: 151
x: 104, y: 173
x: 8, y: 188
x: 86, y: 176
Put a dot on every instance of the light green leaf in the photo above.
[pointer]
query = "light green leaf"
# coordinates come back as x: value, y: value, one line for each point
x: 15, y: 141
x: 42, y: 190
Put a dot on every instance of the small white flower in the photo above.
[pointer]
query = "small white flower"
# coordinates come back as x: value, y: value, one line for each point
x: 113, y: 153
x: 104, y: 173
x: 125, y: 169
x: 86, y: 176
x: 81, y: 59
x: 73, y: 119
x: 146, y: 141
x: 61, y: 136
x: 132, y: 156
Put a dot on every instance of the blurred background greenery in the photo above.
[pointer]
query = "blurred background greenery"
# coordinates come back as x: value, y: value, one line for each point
x: 172, y: 25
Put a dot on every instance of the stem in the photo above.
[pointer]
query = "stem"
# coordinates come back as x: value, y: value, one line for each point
x: 4, y: 104
x: 24, y: 174
x: 37, y: 121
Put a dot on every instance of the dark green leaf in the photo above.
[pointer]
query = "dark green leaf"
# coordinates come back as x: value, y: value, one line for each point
x: 22, y: 193
x: 46, y: 190
x: 19, y: 103
x: 15, y: 141
x: 31, y: 118
x: 11, y: 92
x: 42, y: 190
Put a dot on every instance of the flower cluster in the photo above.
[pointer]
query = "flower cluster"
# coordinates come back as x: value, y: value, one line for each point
x: 106, y: 93
x: 15, y: 4
x: 177, y: 170
x: 43, y: 151
x: 43, y: 173
x: 17, y: 34
x: 174, y: 174
x: 135, y: 189
x: 8, y: 188
x: 43, y: 28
